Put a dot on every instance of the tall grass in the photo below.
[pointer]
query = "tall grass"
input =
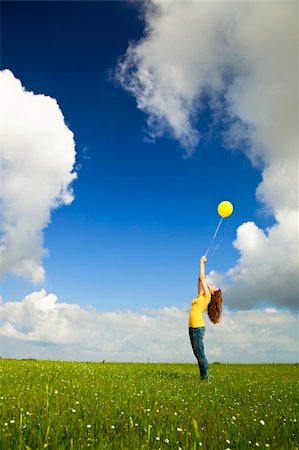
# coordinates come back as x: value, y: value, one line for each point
x: 72, y: 405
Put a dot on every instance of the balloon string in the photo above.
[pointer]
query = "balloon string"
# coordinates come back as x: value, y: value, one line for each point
x: 215, y: 234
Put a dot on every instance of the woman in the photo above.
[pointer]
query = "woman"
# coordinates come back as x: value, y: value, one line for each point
x: 208, y: 297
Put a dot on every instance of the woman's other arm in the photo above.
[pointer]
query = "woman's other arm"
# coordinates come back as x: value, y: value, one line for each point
x: 202, y: 284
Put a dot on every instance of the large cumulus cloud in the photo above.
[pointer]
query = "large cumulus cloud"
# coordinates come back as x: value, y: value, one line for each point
x: 37, y: 156
x: 242, y: 57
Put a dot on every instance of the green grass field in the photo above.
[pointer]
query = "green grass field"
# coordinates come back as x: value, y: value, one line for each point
x: 72, y: 405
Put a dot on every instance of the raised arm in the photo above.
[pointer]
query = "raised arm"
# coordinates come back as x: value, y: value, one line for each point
x: 202, y: 284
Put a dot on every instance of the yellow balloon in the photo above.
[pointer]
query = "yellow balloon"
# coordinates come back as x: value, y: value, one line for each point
x: 225, y: 209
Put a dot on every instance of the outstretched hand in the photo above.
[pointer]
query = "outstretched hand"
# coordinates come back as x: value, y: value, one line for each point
x: 203, y: 259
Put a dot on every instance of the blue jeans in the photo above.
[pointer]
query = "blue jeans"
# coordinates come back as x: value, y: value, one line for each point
x: 196, y: 339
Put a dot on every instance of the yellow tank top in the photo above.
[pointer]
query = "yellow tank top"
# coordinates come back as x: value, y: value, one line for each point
x: 199, y: 305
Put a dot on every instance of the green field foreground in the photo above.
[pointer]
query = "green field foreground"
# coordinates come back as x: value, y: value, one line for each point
x: 75, y: 405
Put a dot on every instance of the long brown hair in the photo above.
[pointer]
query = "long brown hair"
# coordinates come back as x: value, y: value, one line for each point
x: 215, y: 306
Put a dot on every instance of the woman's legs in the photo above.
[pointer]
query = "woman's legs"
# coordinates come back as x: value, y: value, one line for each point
x: 196, y: 338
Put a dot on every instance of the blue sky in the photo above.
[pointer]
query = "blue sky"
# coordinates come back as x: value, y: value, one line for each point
x: 143, y: 213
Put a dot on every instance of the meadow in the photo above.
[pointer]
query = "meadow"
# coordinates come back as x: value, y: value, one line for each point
x: 75, y: 405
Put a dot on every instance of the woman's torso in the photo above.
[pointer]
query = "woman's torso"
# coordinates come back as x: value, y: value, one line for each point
x: 199, y: 305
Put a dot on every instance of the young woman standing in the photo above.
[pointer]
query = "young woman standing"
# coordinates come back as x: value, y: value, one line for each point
x: 207, y: 297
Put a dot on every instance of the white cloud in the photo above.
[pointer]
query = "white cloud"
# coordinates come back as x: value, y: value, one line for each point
x: 243, y: 57
x: 267, y: 270
x: 37, y: 155
x: 41, y: 327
